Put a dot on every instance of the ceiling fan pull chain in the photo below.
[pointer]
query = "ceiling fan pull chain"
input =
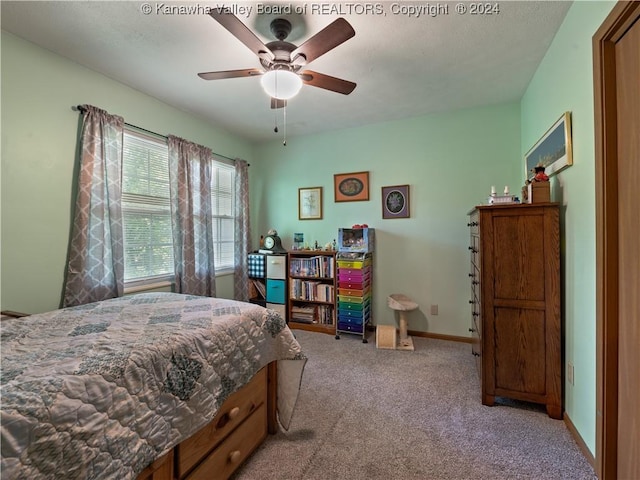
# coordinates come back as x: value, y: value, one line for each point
x: 284, y: 126
x: 275, y: 120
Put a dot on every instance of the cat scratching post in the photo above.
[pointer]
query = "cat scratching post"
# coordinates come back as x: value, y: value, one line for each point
x: 386, y: 337
x: 402, y: 304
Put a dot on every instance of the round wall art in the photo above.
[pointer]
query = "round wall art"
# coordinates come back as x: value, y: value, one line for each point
x: 395, y: 201
x: 351, y: 187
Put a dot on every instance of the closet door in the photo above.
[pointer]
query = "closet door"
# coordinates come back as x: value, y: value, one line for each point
x: 628, y: 103
x: 617, y: 103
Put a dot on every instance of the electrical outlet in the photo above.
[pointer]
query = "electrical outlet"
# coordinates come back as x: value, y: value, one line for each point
x: 570, y: 377
x: 434, y: 309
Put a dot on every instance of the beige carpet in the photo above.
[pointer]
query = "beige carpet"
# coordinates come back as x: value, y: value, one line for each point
x: 370, y: 414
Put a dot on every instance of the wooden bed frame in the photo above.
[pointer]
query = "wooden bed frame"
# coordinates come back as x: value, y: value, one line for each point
x: 218, y: 449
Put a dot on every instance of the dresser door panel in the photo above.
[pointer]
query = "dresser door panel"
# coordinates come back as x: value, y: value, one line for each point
x: 520, y: 350
x: 519, y: 257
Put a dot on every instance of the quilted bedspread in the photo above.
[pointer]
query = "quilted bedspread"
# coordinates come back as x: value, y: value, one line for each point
x: 101, y: 390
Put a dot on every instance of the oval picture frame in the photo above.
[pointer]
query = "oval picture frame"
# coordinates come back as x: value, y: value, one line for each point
x: 395, y: 201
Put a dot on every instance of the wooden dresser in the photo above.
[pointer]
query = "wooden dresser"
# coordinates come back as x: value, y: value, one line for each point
x: 515, y: 303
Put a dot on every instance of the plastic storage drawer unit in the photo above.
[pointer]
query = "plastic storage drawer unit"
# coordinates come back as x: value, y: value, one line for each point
x: 354, y: 293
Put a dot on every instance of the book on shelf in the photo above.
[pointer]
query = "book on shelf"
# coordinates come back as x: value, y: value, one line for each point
x: 303, y: 314
x: 260, y: 288
x: 322, y: 314
x: 321, y: 266
x: 309, y: 290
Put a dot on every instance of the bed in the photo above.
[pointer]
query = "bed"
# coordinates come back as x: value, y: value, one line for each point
x: 151, y: 386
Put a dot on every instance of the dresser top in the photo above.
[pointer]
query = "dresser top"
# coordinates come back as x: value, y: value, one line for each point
x: 512, y: 205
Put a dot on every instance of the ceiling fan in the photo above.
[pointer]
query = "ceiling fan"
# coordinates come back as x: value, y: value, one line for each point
x: 281, y: 61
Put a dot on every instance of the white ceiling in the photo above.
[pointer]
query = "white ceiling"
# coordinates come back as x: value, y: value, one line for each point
x: 404, y: 66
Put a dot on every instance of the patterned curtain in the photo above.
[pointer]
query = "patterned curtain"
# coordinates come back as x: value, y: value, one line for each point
x: 242, y: 243
x: 192, y: 224
x: 95, y: 266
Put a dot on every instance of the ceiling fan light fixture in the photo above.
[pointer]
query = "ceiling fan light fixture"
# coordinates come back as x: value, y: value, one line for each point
x: 281, y: 84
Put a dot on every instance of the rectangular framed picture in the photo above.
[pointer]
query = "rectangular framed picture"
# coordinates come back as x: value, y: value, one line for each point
x: 310, y: 203
x: 553, y: 151
x: 351, y: 187
x: 395, y: 201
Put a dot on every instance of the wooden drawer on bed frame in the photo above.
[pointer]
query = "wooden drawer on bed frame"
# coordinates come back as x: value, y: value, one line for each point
x: 218, y: 449
x: 228, y: 456
x: 238, y: 407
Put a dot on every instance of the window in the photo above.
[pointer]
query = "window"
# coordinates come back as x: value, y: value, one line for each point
x: 223, y: 210
x: 148, y: 245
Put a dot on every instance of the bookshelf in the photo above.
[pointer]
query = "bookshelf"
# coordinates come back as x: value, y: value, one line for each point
x: 312, y: 290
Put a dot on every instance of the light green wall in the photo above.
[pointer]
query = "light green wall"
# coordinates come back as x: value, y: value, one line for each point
x: 39, y: 134
x: 450, y: 160
x: 564, y: 82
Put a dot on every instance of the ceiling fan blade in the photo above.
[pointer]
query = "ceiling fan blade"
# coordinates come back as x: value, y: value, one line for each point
x: 247, y: 72
x: 239, y: 30
x: 278, y: 103
x: 326, y: 39
x: 327, y: 82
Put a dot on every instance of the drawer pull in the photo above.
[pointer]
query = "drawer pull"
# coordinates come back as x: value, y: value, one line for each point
x: 475, y: 354
x: 472, y: 330
x: 227, y: 417
x: 235, y: 456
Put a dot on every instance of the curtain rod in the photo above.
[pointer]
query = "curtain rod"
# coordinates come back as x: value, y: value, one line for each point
x: 79, y: 108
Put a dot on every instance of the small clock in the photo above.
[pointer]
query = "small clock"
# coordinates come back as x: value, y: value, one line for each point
x: 273, y: 244
x: 269, y: 242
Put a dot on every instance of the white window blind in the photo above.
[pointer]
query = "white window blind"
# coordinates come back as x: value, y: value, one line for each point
x: 223, y: 211
x: 148, y: 244
x: 148, y: 247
